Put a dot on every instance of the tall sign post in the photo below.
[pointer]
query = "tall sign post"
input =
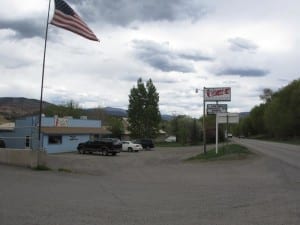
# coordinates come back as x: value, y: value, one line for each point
x: 204, y: 130
x: 216, y: 94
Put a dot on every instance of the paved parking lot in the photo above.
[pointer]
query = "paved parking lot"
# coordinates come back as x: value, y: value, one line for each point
x: 151, y: 187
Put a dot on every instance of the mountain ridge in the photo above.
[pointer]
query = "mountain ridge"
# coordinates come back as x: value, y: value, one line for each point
x: 16, y: 107
x: 12, y: 108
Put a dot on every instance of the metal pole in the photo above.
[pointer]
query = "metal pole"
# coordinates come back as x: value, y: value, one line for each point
x: 227, y: 115
x: 204, y: 131
x: 217, y: 128
x: 217, y: 133
x: 43, y: 72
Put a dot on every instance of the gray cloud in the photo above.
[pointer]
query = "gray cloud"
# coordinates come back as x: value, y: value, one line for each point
x: 166, y: 63
x: 129, y: 77
x: 24, y: 28
x: 117, y: 12
x: 124, y: 12
x: 241, y: 44
x: 161, y: 57
x: 243, y: 72
x: 195, y: 56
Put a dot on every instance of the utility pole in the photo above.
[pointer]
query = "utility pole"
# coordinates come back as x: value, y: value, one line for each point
x: 203, y: 121
x: 204, y: 129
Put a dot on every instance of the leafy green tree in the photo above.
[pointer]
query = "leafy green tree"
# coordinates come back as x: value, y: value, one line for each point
x: 70, y: 108
x: 195, y: 132
x: 98, y: 113
x: 174, y: 127
x: 279, y: 121
x: 116, y: 127
x: 143, y: 112
x: 73, y: 109
x: 278, y: 116
x: 186, y: 129
x: 266, y: 96
x: 151, y: 114
x: 257, y: 119
x: 282, y: 113
x: 245, y: 126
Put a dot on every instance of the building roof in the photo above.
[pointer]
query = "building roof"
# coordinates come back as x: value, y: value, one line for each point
x: 74, y: 130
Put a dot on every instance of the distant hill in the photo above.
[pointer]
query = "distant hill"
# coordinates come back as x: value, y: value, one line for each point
x: 12, y: 108
x: 123, y: 113
x: 166, y: 117
x: 244, y: 114
x: 116, y: 111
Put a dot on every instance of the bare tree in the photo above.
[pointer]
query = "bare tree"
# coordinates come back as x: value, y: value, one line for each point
x: 266, y: 96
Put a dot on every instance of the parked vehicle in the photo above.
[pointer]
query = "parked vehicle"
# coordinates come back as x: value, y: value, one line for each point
x: 146, y: 143
x: 130, y: 146
x: 170, y: 139
x: 106, y: 146
x: 2, y: 143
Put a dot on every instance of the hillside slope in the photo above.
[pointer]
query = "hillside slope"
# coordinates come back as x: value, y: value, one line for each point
x: 12, y: 108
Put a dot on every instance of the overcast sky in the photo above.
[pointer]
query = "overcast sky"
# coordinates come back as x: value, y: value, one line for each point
x: 180, y: 44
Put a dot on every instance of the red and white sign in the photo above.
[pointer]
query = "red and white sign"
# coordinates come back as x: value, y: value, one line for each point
x: 60, y: 122
x: 217, y: 94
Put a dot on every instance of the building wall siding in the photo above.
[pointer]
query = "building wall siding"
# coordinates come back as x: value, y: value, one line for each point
x: 69, y: 143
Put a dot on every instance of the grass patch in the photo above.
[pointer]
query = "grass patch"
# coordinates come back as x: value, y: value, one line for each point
x: 64, y: 170
x: 41, y: 168
x: 227, y: 152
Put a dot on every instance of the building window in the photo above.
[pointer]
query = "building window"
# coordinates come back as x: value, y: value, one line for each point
x: 54, y: 139
x: 27, y: 142
x: 94, y: 137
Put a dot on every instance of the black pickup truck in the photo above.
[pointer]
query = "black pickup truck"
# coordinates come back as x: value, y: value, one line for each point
x: 106, y: 146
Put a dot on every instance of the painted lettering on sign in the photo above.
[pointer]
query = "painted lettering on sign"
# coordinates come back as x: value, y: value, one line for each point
x: 216, y: 108
x: 217, y: 94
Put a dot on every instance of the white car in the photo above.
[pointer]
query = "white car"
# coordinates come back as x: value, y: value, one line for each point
x: 229, y: 135
x: 130, y: 146
x: 170, y: 139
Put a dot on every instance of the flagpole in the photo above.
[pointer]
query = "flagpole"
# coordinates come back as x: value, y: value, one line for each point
x: 43, y: 73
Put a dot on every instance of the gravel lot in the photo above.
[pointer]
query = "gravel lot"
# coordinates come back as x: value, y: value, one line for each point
x: 107, y: 165
x: 151, y: 187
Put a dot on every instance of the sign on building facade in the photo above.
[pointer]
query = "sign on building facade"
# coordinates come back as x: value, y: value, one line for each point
x: 61, y: 122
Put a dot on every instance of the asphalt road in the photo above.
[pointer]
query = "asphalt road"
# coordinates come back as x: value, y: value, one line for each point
x: 285, y: 152
x: 153, y: 187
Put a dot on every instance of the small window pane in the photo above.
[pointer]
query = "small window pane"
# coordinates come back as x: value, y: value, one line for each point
x: 27, y: 142
x: 55, y: 139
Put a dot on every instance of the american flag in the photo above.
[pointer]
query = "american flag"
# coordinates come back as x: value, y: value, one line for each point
x: 65, y: 17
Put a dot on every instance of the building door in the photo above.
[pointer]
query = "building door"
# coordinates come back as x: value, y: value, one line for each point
x: 27, y: 142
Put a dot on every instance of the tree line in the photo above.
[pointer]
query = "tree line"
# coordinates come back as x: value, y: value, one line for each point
x: 143, y: 112
x: 277, y: 117
x: 144, y: 118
